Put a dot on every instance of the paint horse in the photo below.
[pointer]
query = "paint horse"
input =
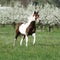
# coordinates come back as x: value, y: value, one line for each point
x: 27, y: 29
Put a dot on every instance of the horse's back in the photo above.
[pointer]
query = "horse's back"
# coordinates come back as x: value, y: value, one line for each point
x: 18, y: 24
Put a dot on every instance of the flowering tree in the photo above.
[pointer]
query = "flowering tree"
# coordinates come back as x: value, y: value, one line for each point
x: 48, y: 14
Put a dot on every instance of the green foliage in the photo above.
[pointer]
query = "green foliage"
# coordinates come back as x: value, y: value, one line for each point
x: 26, y: 2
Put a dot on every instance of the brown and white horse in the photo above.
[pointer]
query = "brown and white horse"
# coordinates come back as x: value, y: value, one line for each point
x: 27, y: 29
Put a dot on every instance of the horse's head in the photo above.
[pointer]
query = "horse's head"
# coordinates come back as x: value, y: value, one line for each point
x: 36, y: 15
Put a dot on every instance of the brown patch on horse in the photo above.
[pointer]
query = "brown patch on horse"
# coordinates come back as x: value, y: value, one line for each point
x: 31, y: 28
x: 17, y: 30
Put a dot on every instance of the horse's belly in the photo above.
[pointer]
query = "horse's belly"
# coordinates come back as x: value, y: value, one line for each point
x: 22, y: 29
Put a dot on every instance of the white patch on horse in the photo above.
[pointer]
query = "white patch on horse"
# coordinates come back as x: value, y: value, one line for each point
x: 34, y: 36
x: 26, y: 40
x: 22, y: 28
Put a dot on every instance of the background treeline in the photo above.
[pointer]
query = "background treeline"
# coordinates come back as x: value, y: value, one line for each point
x: 15, y: 11
x: 25, y: 2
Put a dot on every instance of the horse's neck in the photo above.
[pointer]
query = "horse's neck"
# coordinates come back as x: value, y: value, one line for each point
x: 30, y: 19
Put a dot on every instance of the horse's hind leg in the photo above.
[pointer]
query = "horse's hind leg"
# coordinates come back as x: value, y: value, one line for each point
x: 17, y: 34
x: 23, y: 36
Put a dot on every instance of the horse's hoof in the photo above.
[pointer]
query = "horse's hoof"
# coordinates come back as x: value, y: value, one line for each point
x: 33, y: 43
x: 20, y: 44
x: 26, y: 45
x: 13, y: 45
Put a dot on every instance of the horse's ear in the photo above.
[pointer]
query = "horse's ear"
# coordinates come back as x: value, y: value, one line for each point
x: 34, y: 12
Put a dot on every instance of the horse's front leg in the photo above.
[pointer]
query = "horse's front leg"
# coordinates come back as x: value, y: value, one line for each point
x: 26, y: 40
x: 34, y: 36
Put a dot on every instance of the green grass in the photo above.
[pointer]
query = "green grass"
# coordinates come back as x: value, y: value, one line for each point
x: 47, y: 45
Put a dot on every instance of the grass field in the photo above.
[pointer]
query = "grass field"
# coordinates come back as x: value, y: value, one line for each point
x: 47, y: 45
